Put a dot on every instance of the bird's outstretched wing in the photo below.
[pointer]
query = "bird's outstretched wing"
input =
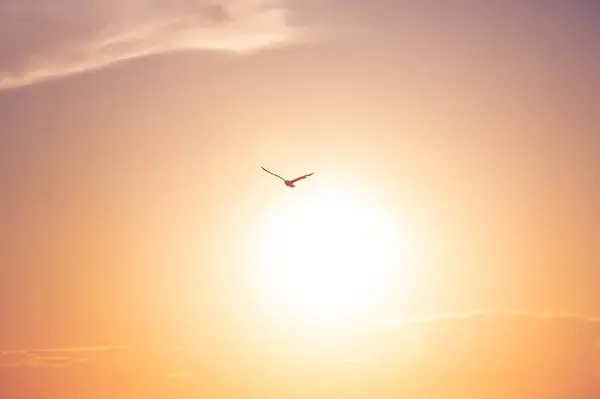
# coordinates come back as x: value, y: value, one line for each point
x: 302, y: 177
x: 273, y: 173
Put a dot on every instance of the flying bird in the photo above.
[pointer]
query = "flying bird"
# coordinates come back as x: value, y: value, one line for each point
x: 289, y: 183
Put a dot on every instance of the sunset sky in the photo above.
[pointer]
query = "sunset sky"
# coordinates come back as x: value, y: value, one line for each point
x: 447, y: 246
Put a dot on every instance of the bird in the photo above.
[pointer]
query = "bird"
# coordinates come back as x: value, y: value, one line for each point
x: 289, y: 183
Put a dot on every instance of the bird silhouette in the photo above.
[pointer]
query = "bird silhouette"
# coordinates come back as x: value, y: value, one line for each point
x: 289, y: 183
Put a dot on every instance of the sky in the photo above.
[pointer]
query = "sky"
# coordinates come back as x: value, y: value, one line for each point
x: 447, y: 246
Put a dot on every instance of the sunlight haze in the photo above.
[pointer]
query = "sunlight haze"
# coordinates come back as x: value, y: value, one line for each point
x: 447, y: 245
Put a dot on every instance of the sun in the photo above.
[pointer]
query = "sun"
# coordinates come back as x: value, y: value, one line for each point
x: 329, y: 257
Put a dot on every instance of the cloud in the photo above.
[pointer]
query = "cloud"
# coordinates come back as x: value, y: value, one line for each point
x: 28, y: 360
x: 81, y: 349
x: 42, y: 40
x: 489, y: 313
x: 489, y: 353
x: 53, y: 357
x: 493, y: 354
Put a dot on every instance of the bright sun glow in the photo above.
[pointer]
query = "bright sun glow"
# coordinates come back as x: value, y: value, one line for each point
x: 329, y: 258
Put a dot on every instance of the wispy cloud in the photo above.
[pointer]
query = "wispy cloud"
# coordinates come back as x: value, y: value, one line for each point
x: 41, y: 40
x: 81, y: 349
x: 32, y: 361
x: 53, y: 357
x: 488, y: 353
x: 489, y: 312
x: 494, y: 353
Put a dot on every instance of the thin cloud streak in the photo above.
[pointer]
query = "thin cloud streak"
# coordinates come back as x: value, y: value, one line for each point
x: 487, y: 312
x: 82, y: 349
x: 104, y: 348
x: 498, y: 353
x: 46, y: 362
x: 491, y: 353
x: 40, y: 42
x: 53, y: 357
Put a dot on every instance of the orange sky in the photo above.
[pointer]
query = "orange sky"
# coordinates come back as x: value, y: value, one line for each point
x: 133, y: 200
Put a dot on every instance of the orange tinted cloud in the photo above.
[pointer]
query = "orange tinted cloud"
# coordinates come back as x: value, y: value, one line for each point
x: 54, y: 357
x: 492, y: 354
x: 81, y: 349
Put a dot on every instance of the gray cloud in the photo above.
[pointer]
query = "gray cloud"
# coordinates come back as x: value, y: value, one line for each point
x: 41, y: 39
